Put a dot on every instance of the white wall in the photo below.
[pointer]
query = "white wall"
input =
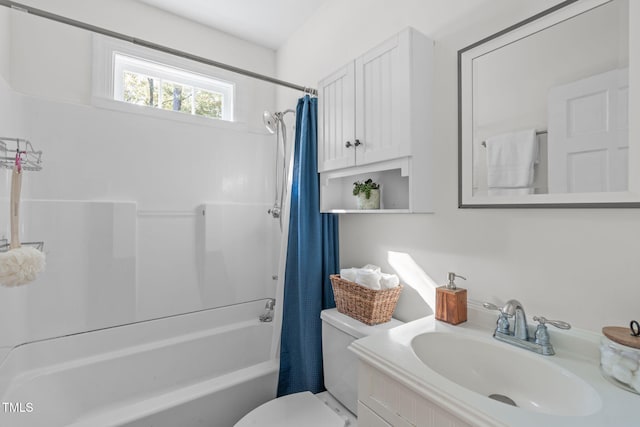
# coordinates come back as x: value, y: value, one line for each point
x: 137, y: 19
x: 119, y: 202
x: 578, y: 265
x: 8, y: 121
x: 5, y: 42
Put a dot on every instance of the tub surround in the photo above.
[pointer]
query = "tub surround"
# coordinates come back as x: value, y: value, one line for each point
x: 388, y: 362
x: 130, y: 242
x: 209, y: 365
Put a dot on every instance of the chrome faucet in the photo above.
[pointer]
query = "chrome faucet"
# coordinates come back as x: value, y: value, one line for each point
x: 267, y: 316
x: 512, y: 314
x: 513, y: 309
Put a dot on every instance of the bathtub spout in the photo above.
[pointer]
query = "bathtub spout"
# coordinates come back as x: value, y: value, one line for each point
x: 267, y: 316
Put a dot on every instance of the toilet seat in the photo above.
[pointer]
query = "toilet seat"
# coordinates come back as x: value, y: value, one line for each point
x: 295, y: 410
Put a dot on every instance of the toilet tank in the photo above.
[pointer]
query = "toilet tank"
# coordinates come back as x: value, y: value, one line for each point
x: 340, y: 364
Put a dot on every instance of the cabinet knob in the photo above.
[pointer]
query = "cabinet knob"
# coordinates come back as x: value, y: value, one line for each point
x: 348, y: 144
x: 358, y: 143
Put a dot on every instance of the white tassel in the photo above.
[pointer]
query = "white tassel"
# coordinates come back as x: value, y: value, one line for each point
x: 20, y: 266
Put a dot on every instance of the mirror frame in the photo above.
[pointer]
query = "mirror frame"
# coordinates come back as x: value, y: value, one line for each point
x: 545, y: 19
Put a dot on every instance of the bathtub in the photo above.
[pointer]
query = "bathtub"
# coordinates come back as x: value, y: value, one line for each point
x: 200, y: 369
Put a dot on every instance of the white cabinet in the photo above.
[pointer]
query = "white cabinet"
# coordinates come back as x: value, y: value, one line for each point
x: 373, y: 112
x: 368, y: 418
x: 385, y: 402
x: 336, y: 120
x: 383, y: 98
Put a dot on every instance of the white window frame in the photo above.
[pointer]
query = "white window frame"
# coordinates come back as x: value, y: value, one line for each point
x: 165, y: 73
x: 111, y: 57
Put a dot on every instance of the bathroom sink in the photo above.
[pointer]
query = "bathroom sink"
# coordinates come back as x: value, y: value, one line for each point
x: 510, y: 375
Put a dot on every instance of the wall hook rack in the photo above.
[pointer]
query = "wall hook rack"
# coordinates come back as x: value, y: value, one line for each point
x: 4, y: 245
x: 31, y: 159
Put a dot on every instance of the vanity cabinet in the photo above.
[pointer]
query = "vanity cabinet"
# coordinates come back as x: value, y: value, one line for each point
x: 374, y: 117
x: 366, y: 417
x: 383, y: 401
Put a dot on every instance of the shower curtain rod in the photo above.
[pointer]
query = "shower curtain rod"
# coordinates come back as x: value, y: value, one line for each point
x: 64, y: 20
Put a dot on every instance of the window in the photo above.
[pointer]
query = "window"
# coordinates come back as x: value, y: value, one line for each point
x: 155, y: 85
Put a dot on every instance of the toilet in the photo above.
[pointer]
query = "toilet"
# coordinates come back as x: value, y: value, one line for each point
x: 338, y: 405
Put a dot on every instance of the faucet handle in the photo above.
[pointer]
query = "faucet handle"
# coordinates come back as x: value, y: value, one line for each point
x: 557, y: 323
x: 490, y: 306
x: 503, y: 321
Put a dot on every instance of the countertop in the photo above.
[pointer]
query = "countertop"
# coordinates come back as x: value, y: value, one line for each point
x: 576, y: 351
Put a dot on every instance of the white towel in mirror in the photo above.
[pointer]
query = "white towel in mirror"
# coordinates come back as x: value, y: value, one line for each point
x: 510, y: 160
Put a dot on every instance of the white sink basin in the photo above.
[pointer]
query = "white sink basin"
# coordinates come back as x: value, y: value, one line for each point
x: 495, y: 369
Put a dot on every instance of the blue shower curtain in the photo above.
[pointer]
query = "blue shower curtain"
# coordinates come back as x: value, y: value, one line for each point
x: 312, y: 255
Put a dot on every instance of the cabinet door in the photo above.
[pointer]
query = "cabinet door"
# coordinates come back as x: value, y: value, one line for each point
x: 368, y: 418
x: 336, y: 120
x: 383, y: 101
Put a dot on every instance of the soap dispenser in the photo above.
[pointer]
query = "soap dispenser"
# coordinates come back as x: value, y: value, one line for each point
x: 451, y: 301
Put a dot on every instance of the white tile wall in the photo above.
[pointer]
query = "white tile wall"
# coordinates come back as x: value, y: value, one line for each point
x: 119, y: 199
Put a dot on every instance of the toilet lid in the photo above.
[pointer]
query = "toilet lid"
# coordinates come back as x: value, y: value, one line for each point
x: 299, y: 409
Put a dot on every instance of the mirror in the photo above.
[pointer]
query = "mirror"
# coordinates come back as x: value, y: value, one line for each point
x: 544, y: 110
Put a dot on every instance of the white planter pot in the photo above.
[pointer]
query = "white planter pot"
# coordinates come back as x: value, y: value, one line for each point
x: 373, y: 202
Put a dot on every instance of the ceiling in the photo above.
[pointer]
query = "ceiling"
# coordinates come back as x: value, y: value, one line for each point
x: 266, y: 23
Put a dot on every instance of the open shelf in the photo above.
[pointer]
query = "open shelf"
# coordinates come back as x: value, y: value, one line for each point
x: 337, y: 187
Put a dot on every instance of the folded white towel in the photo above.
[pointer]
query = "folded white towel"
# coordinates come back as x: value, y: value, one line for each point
x: 371, y: 267
x: 368, y: 278
x: 371, y: 277
x: 510, y: 159
x: 349, y: 274
x: 388, y: 281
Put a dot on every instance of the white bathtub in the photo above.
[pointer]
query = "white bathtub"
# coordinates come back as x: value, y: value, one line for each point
x: 199, y: 369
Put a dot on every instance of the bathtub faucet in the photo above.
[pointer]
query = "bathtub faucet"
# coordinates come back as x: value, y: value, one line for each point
x: 267, y: 316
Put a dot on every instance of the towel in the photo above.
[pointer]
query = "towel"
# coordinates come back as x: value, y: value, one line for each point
x: 388, y: 281
x: 368, y: 278
x: 510, y: 160
x: 349, y: 274
x: 371, y: 267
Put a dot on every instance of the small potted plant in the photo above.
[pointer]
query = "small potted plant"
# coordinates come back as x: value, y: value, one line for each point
x: 368, y: 194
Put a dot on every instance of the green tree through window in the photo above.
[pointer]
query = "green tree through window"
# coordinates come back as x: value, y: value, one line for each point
x: 141, y: 89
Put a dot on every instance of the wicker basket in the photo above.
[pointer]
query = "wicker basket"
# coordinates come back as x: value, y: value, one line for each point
x: 364, y: 304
